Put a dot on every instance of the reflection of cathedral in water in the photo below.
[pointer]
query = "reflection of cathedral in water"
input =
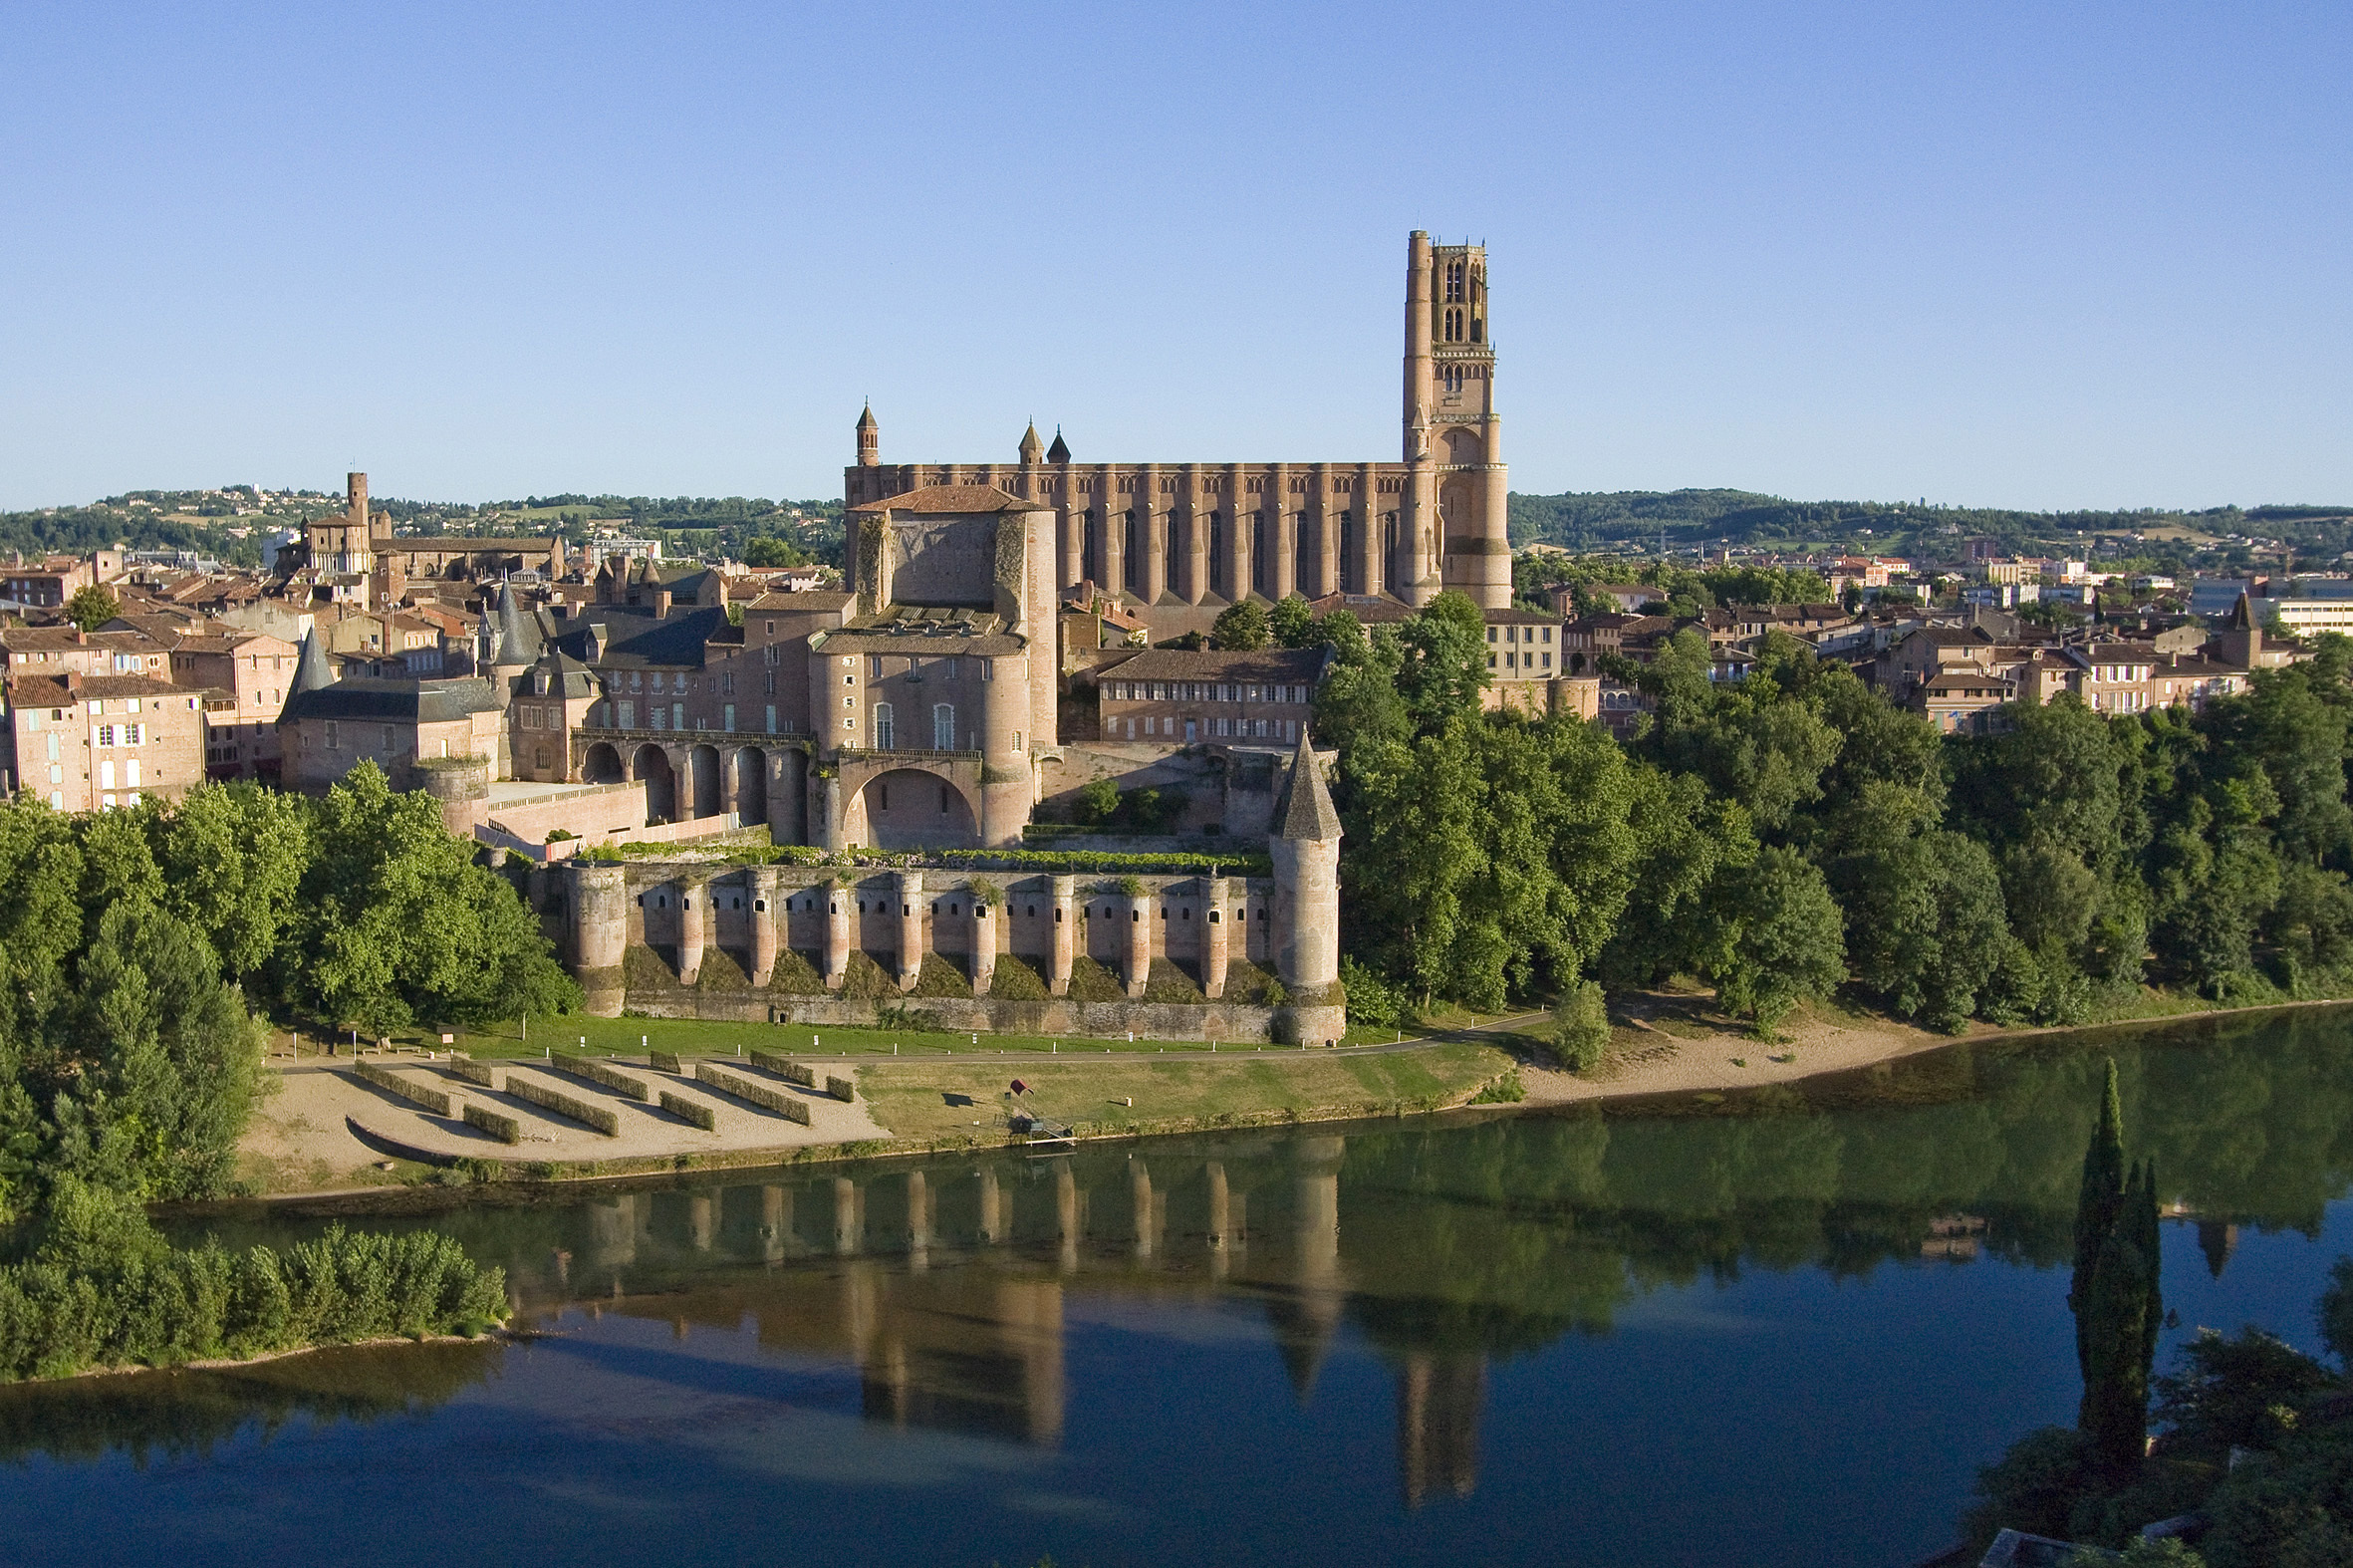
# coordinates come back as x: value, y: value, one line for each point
x: 946, y: 1288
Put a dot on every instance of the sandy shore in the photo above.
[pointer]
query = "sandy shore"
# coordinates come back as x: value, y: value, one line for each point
x: 1667, y: 1043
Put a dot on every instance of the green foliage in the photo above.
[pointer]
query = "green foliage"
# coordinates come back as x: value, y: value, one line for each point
x: 1241, y: 628
x: 1580, y: 1027
x: 768, y: 552
x: 1775, y: 937
x: 2115, y: 1293
x: 400, y: 925
x: 2238, y: 1392
x: 1371, y: 1000
x: 1291, y: 623
x: 1098, y: 799
x: 92, y: 607
x: 101, y: 1288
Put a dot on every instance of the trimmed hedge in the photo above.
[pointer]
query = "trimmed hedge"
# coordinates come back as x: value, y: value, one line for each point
x: 702, y: 1114
x: 497, y: 1124
x: 1096, y: 862
x: 471, y: 1071
x: 667, y: 1062
x: 842, y: 1089
x: 596, y: 1072
x: 750, y: 1093
x: 593, y: 1115
x: 785, y: 1068
x: 384, y: 1078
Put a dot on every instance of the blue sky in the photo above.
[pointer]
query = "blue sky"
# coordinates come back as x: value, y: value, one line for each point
x: 2022, y: 255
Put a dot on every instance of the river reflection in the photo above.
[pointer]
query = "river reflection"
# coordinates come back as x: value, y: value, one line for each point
x: 1755, y: 1309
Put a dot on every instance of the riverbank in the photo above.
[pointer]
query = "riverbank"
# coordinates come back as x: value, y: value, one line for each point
x: 1673, y: 1042
x: 324, y: 1133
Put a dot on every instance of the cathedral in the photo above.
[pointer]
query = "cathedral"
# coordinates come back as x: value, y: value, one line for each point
x: 1183, y: 541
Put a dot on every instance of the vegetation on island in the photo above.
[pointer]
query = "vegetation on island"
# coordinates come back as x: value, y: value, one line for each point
x: 1793, y: 834
x: 2253, y: 1451
x: 138, y: 946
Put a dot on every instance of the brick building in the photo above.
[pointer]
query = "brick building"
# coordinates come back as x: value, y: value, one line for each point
x: 1183, y: 541
x: 95, y: 743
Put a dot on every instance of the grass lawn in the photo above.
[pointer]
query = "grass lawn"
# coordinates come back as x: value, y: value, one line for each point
x: 941, y: 1099
x: 635, y: 1036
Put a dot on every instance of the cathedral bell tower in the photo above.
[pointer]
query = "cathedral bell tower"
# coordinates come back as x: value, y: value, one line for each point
x: 1454, y: 503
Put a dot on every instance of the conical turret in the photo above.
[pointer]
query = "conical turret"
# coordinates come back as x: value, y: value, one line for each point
x: 513, y: 650
x: 1308, y: 814
x: 1059, y: 453
x: 1031, y: 447
x: 312, y: 672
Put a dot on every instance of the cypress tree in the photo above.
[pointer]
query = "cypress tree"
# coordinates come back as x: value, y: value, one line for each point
x: 2116, y: 1295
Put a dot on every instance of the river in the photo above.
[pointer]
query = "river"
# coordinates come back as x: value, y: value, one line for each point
x: 1765, y: 1329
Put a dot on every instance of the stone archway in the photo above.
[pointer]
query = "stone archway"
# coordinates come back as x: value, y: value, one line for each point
x: 911, y: 809
x: 601, y: 764
x: 652, y: 766
x: 748, y: 772
x: 701, y: 795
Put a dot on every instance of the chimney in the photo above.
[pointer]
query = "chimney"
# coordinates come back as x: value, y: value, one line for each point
x: 662, y: 604
x: 74, y: 683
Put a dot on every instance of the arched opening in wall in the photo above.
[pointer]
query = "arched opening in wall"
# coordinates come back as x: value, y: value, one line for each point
x: 1387, y: 550
x: 653, y: 766
x: 944, y: 726
x: 885, y: 728
x: 751, y: 785
x: 601, y: 764
x: 702, y: 774
x: 1129, y: 554
x: 1218, y: 553
x: 1258, y: 551
x: 909, y: 809
x: 1464, y: 448
x: 1350, y: 578
x: 1090, y: 550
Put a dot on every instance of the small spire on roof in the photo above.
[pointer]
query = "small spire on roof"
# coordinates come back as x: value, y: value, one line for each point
x: 1031, y: 447
x: 312, y: 672
x: 1059, y: 453
x: 1309, y: 814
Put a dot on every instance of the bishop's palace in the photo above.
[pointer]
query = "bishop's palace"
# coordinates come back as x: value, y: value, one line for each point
x: 1004, y: 636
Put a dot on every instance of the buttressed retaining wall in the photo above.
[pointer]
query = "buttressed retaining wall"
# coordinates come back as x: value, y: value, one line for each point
x: 1172, y: 957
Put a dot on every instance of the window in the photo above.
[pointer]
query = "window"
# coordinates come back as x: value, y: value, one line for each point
x: 886, y: 735
x: 106, y: 734
x: 388, y: 737
x: 134, y: 734
x: 331, y: 741
x: 944, y: 726
x: 771, y: 718
x: 728, y: 718
x: 1017, y: 740
x: 677, y: 716
x: 628, y: 714
x: 874, y: 666
x: 989, y: 670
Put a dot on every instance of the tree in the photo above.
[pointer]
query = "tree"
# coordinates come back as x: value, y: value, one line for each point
x: 1580, y: 1027
x: 399, y: 925
x: 2114, y: 1292
x: 232, y: 858
x: 1924, y: 912
x: 1776, y: 937
x: 1291, y: 622
x: 92, y: 607
x: 1241, y: 628
x: 767, y: 551
x: 1442, y: 664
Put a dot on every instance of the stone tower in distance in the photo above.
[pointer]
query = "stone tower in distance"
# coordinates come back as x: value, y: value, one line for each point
x: 869, y: 438
x: 1453, y: 440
